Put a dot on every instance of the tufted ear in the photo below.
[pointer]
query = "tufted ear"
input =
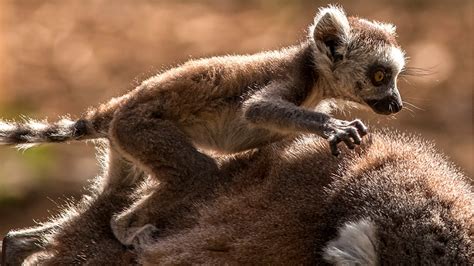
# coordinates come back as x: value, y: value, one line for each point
x: 355, y: 245
x: 388, y: 27
x: 331, y: 23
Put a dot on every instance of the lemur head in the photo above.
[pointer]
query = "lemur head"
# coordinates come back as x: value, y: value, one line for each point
x: 359, y: 60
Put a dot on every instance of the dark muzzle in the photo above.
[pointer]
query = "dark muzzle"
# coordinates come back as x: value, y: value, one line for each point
x: 386, y: 106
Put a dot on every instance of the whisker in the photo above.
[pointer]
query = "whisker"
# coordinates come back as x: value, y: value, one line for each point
x: 410, y: 111
x: 417, y: 71
x: 416, y: 98
x: 414, y: 106
x: 406, y: 80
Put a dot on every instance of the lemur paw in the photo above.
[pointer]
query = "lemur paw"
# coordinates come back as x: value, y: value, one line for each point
x: 350, y: 133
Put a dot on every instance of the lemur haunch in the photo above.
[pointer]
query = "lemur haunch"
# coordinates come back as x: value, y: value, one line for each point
x: 234, y: 103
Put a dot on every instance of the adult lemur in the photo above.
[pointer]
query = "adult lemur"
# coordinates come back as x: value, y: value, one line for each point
x: 235, y: 103
x: 394, y: 201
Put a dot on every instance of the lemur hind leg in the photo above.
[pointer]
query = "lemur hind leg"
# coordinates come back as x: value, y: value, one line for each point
x: 185, y: 175
x: 90, y: 216
x: 18, y: 245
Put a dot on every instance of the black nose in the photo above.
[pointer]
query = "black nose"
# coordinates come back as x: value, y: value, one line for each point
x: 387, y: 105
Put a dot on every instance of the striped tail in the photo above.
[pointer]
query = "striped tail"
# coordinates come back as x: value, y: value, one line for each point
x: 31, y: 132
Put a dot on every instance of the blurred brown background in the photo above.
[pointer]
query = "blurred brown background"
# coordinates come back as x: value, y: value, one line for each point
x: 60, y: 57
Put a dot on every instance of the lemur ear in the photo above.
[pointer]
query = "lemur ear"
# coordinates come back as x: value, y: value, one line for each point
x: 331, y: 24
x: 390, y: 28
x: 354, y: 245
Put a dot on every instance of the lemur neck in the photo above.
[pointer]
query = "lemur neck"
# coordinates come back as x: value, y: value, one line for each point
x: 314, y: 97
x: 326, y: 87
x: 322, y: 89
x: 328, y: 84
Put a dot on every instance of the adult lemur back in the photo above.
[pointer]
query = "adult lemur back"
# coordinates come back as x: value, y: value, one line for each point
x: 394, y: 201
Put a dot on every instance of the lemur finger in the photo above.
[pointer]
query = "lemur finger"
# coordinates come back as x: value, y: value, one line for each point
x: 360, y: 127
x: 349, y: 143
x: 333, y: 141
x: 354, y: 135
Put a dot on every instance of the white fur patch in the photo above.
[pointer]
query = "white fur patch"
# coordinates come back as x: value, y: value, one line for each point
x: 397, y: 57
x: 388, y: 27
x: 65, y: 127
x: 355, y: 245
x: 6, y: 127
x: 35, y: 125
x: 65, y: 122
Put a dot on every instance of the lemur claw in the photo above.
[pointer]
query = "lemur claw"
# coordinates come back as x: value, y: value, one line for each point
x: 350, y: 133
x: 361, y: 128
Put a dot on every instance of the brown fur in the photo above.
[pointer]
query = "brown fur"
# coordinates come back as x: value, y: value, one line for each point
x: 107, y: 195
x: 229, y: 104
x: 285, y: 203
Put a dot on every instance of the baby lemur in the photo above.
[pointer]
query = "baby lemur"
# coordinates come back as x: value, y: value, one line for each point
x: 234, y: 103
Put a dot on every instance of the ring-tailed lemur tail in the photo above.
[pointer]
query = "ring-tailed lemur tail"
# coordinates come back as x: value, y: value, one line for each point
x: 34, y: 132
x: 31, y: 132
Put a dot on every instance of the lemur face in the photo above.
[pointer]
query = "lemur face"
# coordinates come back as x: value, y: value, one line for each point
x: 373, y: 46
x: 379, y: 89
x: 359, y: 58
x: 376, y: 82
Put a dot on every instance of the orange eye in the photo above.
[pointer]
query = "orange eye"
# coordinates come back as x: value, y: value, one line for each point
x: 379, y: 76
